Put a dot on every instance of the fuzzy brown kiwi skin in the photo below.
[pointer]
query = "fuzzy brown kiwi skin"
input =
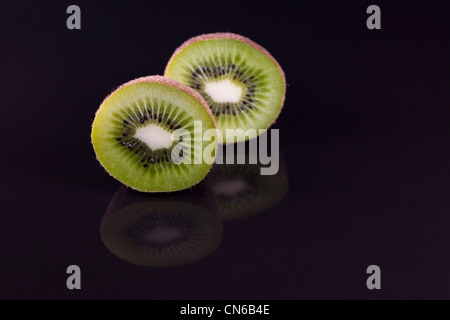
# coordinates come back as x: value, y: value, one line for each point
x: 233, y: 36
x: 162, y: 80
x: 170, y: 82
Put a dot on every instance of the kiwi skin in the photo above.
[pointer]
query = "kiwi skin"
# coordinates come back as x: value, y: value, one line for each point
x: 166, y: 81
x: 162, y: 80
x: 233, y: 36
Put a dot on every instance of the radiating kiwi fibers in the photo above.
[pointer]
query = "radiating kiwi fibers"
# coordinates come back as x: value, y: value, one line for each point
x: 162, y: 233
x: 241, y: 190
x: 136, y: 133
x: 241, y: 82
x: 153, y: 113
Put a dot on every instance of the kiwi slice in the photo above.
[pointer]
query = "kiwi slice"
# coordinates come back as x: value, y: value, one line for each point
x: 144, y: 132
x: 241, y: 191
x: 242, y: 83
x: 160, y: 231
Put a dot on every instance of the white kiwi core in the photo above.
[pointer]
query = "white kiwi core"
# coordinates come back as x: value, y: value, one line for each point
x: 154, y: 137
x: 223, y: 91
x: 229, y: 188
x: 162, y: 234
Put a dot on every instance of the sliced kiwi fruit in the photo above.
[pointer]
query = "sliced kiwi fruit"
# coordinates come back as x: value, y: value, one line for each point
x: 161, y: 230
x: 241, y: 82
x: 241, y: 191
x: 143, y: 133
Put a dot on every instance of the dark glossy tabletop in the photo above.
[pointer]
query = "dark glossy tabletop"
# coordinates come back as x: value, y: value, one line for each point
x: 364, y: 137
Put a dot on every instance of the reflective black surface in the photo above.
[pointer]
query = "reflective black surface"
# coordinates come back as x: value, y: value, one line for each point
x: 364, y: 135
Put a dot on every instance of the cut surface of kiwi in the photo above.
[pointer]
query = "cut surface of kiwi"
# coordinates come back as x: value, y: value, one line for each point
x: 241, y: 82
x: 241, y: 191
x: 159, y: 231
x: 144, y: 131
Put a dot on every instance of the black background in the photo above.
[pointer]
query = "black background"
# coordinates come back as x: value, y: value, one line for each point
x: 364, y: 131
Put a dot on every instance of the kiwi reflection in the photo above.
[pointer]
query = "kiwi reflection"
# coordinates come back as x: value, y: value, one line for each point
x: 161, y: 230
x: 241, y: 191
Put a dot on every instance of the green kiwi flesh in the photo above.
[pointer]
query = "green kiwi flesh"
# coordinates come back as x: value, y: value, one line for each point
x: 161, y: 232
x: 135, y: 133
x: 241, y: 82
x: 241, y: 191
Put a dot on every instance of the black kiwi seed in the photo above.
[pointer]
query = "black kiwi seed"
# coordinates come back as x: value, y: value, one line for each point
x: 125, y: 134
x: 241, y: 73
x: 152, y: 160
x: 142, y: 121
x: 145, y: 117
x: 125, y: 122
x: 123, y: 143
x: 118, y: 139
x: 171, y: 127
x: 145, y: 165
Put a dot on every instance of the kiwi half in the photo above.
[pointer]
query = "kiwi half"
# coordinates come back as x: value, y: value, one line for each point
x: 242, y: 83
x: 140, y: 126
x: 161, y: 230
x: 241, y: 191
